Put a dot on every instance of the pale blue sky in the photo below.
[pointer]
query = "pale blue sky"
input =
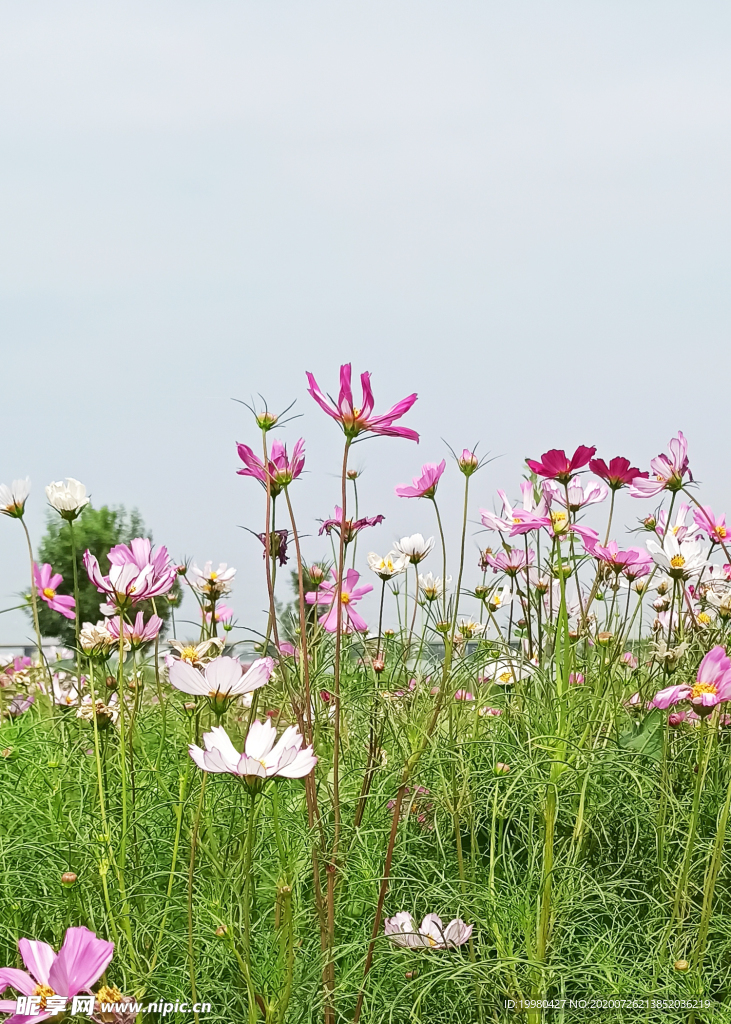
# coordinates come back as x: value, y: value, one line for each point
x: 519, y: 210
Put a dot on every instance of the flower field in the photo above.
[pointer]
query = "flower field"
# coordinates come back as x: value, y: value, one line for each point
x: 503, y: 794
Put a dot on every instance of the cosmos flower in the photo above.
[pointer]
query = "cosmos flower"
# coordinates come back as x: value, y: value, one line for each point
x: 327, y: 593
x: 679, y: 560
x: 414, y: 548
x: 221, y: 677
x: 47, y: 583
x: 713, y: 526
x: 95, y: 640
x: 619, y: 560
x: 139, y: 633
x: 14, y: 497
x: 392, y: 564
x: 214, y: 582
x: 511, y: 516
x: 667, y: 471
x: 681, y: 528
x: 262, y: 758
x: 82, y: 959
x: 355, y: 421
x: 431, y: 934
x: 511, y: 562
x: 277, y: 545
x: 424, y: 486
x: 140, y: 554
x: 579, y: 496
x: 432, y: 587
x: 281, y: 468
x: 68, y: 498
x: 712, y: 686
x: 195, y: 654
x: 556, y: 465
x: 619, y: 473
x: 350, y: 527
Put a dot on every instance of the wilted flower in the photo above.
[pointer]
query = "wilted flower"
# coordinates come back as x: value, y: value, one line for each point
x: 95, y: 640
x: 262, y: 759
x: 82, y: 959
x: 556, y: 465
x: 390, y: 565
x: 414, y: 548
x: 424, y: 486
x: 105, y: 713
x: 14, y: 497
x: 488, y: 712
x: 47, y: 583
x: 355, y: 421
x: 349, y: 527
x: 277, y: 545
x: 667, y: 471
x: 327, y: 593
x: 68, y: 498
x: 431, y: 934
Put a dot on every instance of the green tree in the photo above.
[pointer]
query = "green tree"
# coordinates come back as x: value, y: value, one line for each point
x: 97, y: 529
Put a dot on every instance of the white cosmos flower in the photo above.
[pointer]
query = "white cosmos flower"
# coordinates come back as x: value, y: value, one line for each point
x: 431, y: 586
x: 390, y: 565
x: 680, y: 560
x: 414, y: 548
x: 96, y: 639
x: 194, y: 654
x: 67, y: 498
x: 13, y: 498
x: 222, y: 677
x: 504, y: 672
x: 468, y: 628
x: 500, y: 598
x: 262, y: 759
x: 212, y: 581
x: 431, y: 934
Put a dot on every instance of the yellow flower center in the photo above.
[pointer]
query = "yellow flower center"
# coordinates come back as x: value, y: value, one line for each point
x: 721, y: 531
x: 49, y: 592
x: 701, y: 688
x: 345, y: 598
x: 214, y: 576
x: 677, y: 561
x: 43, y: 991
x: 704, y: 618
x: 188, y: 653
x: 505, y: 677
x: 109, y: 994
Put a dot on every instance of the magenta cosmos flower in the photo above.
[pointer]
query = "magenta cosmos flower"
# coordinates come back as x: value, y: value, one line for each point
x: 47, y: 583
x: 282, y: 469
x: 424, y: 486
x: 82, y: 959
x: 139, y: 633
x: 327, y: 594
x: 135, y: 572
x: 511, y: 562
x: 431, y: 934
x: 556, y: 465
x: 350, y: 527
x: 619, y: 473
x: 712, y: 685
x: 667, y: 471
x: 361, y: 420
x: 619, y: 560
x: 712, y: 525
x: 262, y: 758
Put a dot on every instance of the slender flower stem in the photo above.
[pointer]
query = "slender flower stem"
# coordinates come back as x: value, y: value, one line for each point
x: 76, y: 610
x: 34, y: 606
x: 444, y: 560
x: 191, y: 871
x: 611, y: 513
x: 248, y: 896
x: 714, y: 866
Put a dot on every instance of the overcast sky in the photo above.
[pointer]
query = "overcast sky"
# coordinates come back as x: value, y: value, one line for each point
x: 520, y: 211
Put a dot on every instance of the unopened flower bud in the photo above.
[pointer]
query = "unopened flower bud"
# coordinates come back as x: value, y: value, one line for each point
x: 389, y: 633
x: 221, y: 931
x: 68, y: 878
x: 481, y: 593
x: 443, y: 627
x: 501, y: 768
x: 181, y: 570
x: 266, y: 420
x: 378, y: 665
x: 316, y: 573
x: 521, y: 623
x: 681, y: 965
x: 604, y: 638
x: 649, y: 523
x: 189, y: 705
x: 353, y: 474
x: 468, y: 462
x: 111, y: 683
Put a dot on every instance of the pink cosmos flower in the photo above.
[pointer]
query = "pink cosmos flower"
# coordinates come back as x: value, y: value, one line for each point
x: 667, y: 471
x: 680, y: 527
x: 355, y: 421
x: 675, y: 718
x: 464, y: 695
x: 619, y: 560
x: 139, y: 633
x: 350, y: 594
x: 619, y: 473
x: 712, y: 686
x: 20, y: 664
x: 47, y: 583
x: 139, y: 552
x: 714, y: 526
x: 431, y: 934
x: 351, y: 527
x: 511, y: 562
x: 262, y: 759
x: 424, y: 486
x: 282, y: 469
x: 223, y: 614
x: 578, y: 496
x: 556, y: 465
x: 82, y: 959
x: 513, y: 516
x: 629, y: 660
x: 127, y: 583
x: 576, y: 679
